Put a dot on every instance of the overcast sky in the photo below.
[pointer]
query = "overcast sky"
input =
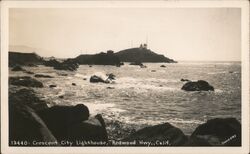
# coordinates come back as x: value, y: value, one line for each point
x: 182, y: 34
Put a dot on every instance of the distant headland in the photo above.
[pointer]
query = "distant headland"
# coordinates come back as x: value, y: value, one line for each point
x: 140, y: 54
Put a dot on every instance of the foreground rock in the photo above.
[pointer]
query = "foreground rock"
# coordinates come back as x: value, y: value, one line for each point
x: 165, y: 133
x: 200, y: 85
x: 217, y: 132
x: 52, y: 86
x: 25, y: 81
x: 43, y: 76
x: 26, y: 125
x: 60, y: 118
x: 93, y: 129
x: 27, y: 97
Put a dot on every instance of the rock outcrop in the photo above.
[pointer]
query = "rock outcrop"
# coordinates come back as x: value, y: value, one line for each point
x: 96, y: 79
x: 142, y: 55
x: 27, y: 97
x: 111, y: 76
x: 28, y: 59
x: 93, y: 129
x: 25, y: 81
x: 25, y: 125
x: 102, y: 58
x: 163, y: 132
x: 43, y: 76
x: 217, y: 132
x: 52, y: 86
x: 60, y: 118
x: 200, y: 85
x: 68, y: 65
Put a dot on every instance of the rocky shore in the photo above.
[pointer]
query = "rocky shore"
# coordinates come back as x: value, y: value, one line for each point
x: 31, y: 119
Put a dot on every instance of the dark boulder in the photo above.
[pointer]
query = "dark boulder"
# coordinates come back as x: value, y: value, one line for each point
x: 96, y: 79
x: 17, y: 68
x: 43, y: 76
x: 52, y: 86
x: 27, y: 97
x: 162, y: 66
x: 93, y: 129
x: 60, y: 118
x: 25, y: 81
x: 111, y: 76
x: 217, y: 132
x: 73, y: 84
x: 69, y: 65
x: 159, y: 133
x: 184, y: 80
x: 26, y: 125
x: 200, y: 85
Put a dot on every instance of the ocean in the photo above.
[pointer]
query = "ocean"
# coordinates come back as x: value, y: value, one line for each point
x: 148, y: 96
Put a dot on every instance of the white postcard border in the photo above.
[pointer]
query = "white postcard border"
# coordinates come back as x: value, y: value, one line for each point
x: 244, y: 5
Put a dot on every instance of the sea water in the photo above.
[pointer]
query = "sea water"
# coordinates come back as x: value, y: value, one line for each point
x: 149, y: 96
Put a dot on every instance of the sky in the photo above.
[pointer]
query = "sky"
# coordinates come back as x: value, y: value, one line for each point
x: 193, y: 34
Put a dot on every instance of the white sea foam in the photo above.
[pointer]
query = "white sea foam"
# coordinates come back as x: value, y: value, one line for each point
x: 130, y: 120
x: 146, y: 84
x: 100, y: 74
x: 95, y: 108
x: 80, y: 75
x: 222, y: 72
x: 218, y: 91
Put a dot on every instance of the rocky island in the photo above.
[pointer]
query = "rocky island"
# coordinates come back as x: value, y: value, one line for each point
x: 142, y: 54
